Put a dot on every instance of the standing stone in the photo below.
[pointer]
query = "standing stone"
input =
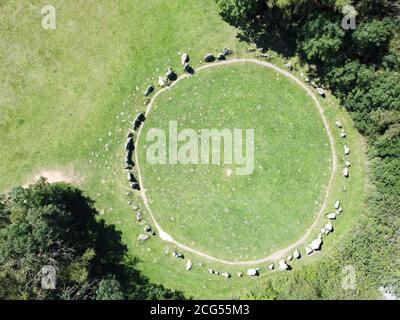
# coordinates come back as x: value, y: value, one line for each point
x: 142, y: 237
x: 331, y: 215
x: 209, y: 57
x: 149, y: 90
x: 338, y: 124
x: 296, y: 254
x: 316, y: 244
x: 252, y: 272
x: 188, y: 265
x: 283, y: 265
x: 308, y: 250
x: 184, y: 58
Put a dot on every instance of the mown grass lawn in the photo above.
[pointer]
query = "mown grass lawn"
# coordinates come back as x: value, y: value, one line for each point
x: 240, y: 217
x: 68, y: 96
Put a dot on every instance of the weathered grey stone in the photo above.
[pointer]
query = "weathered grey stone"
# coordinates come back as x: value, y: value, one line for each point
x: 142, y: 237
x: 188, y: 265
x: 331, y: 215
x: 283, y: 265
x: 227, y: 52
x: 316, y: 244
x: 130, y: 144
x: 321, y: 92
x: 271, y: 266
x: 221, y: 56
x: 308, y: 250
x: 226, y: 275
x: 296, y: 254
x: 289, y: 66
x: 163, y: 81
x: 346, y: 150
x: 209, y: 57
x: 329, y: 227
x: 252, y: 272
x: 176, y: 254
x: 184, y: 58
x: 171, y: 75
x: 149, y: 90
x: 346, y: 172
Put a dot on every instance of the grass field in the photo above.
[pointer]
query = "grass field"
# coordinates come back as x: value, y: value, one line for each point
x: 240, y: 217
x: 68, y: 96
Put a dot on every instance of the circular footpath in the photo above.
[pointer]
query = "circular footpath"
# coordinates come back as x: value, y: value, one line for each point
x: 210, y: 211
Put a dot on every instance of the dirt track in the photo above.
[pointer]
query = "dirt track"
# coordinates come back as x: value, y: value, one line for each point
x: 279, y: 253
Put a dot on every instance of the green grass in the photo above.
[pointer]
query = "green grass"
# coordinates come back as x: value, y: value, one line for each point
x: 64, y: 91
x: 240, y: 217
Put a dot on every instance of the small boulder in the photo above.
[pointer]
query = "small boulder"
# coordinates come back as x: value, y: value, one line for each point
x: 252, y: 272
x: 130, y: 145
x: 221, y: 56
x: 346, y: 150
x: 149, y: 90
x: 227, y: 52
x: 331, y: 215
x: 289, y: 66
x: 142, y: 237
x: 188, y: 68
x: 308, y: 250
x: 337, y: 204
x: 130, y: 177
x: 296, y: 254
x: 343, y: 134
x: 271, y: 266
x: 189, y: 265
x: 239, y: 274
x: 226, y: 275
x: 171, y: 75
x: 184, y: 58
x: 135, y: 186
x: 289, y: 258
x: 321, y: 92
x: 347, y: 164
x: 211, y: 271
x: 340, y: 210
x: 209, y: 57
x: 176, y: 254
x: 316, y: 244
x: 283, y: 265
x: 163, y: 81
x: 346, y: 172
x: 329, y: 227
x: 147, y: 229
x: 338, y: 124
x: 139, y: 217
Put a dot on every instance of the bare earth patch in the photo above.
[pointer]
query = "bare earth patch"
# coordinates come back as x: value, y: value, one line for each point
x: 53, y: 176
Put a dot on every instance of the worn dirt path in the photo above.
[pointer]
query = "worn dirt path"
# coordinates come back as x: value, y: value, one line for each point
x: 279, y: 253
